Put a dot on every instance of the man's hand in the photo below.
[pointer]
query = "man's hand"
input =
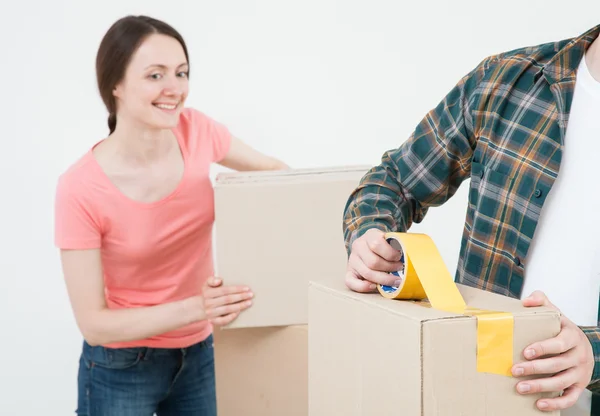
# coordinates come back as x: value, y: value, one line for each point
x: 571, y: 362
x: 370, y: 262
x: 223, y: 304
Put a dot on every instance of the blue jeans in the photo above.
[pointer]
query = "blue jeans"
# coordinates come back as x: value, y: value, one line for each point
x: 146, y: 381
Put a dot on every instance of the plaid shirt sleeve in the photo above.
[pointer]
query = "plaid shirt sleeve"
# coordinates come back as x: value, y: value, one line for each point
x: 593, y: 334
x: 424, y: 171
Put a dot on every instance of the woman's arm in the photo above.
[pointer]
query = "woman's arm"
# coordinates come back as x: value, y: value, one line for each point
x: 99, y: 325
x: 242, y: 157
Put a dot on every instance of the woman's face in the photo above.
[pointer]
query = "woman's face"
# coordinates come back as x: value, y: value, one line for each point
x: 155, y: 85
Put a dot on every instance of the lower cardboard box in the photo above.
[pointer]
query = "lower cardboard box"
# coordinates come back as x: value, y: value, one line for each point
x: 262, y: 371
x: 369, y: 355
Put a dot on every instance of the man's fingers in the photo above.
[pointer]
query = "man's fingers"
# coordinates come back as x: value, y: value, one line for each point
x: 538, y: 298
x: 568, y: 399
x: 545, y: 366
x: 372, y: 276
x: 556, y: 383
x: 371, y: 261
x: 382, y: 248
x: 561, y: 343
x: 355, y: 283
x: 375, y: 262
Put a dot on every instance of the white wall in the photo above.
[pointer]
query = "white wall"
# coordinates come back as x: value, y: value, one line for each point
x: 315, y: 82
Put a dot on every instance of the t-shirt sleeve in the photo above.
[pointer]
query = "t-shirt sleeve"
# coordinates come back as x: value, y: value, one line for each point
x: 220, y: 136
x: 211, y: 134
x: 75, y: 226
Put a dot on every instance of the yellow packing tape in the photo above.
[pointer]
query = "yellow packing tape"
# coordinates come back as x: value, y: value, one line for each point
x: 425, y: 276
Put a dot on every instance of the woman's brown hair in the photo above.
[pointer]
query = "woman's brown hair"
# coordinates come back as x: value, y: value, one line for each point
x: 116, y: 49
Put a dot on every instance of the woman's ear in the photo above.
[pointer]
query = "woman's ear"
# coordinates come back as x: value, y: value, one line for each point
x: 116, y: 91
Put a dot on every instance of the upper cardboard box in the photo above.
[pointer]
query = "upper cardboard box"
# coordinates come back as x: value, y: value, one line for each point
x: 275, y: 231
x: 369, y: 355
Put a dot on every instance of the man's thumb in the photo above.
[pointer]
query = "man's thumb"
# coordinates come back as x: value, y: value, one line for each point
x: 538, y: 298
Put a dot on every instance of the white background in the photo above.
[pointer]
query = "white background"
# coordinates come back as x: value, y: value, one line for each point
x: 316, y: 83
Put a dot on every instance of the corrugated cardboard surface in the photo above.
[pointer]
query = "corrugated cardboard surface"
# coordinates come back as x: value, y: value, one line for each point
x: 262, y: 371
x: 373, y: 356
x: 275, y: 231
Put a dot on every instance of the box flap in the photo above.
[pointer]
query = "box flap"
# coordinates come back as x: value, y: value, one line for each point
x: 482, y: 299
x: 408, y: 309
x: 421, y: 310
x: 292, y: 175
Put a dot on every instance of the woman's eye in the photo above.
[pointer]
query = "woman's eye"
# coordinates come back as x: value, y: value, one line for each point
x: 155, y: 76
x: 183, y: 74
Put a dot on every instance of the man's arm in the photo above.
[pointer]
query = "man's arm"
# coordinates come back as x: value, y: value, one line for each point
x: 424, y: 171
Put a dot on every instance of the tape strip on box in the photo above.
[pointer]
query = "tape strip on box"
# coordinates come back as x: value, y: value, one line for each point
x: 425, y: 276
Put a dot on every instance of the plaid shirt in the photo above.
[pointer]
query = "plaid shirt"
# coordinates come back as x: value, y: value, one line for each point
x: 501, y: 126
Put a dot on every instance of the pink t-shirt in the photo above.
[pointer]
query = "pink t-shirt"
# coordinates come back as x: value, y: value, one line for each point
x: 152, y: 253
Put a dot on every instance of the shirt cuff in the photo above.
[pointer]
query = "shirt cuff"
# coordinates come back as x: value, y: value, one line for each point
x: 593, y: 335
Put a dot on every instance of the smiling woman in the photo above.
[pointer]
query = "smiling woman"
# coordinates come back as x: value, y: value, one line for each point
x: 133, y: 220
x: 135, y: 52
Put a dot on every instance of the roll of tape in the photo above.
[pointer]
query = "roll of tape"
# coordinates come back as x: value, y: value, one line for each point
x: 425, y: 276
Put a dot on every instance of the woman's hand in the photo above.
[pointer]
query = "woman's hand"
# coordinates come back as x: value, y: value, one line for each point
x: 223, y: 304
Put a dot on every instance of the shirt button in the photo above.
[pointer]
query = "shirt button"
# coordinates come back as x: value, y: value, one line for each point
x: 537, y: 193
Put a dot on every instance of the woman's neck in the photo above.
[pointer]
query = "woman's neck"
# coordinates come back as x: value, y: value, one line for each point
x: 141, y: 144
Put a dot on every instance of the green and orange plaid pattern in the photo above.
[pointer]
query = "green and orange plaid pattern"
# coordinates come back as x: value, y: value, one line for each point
x: 501, y: 127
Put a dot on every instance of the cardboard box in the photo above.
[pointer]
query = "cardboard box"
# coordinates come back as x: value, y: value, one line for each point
x: 262, y: 371
x: 369, y: 355
x: 275, y: 231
